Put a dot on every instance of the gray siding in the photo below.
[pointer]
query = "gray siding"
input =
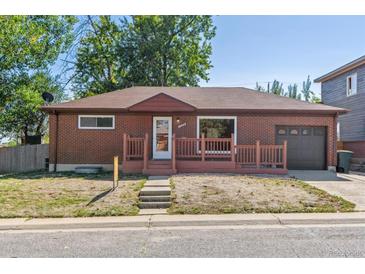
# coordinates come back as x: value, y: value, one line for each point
x: 334, y: 94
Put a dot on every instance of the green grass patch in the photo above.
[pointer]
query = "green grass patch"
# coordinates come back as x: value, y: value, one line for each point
x: 221, y: 194
x: 67, y: 194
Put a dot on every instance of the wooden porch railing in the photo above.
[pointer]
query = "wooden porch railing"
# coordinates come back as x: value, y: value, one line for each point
x: 204, y: 148
x: 224, y: 149
x: 261, y: 156
x: 133, y: 147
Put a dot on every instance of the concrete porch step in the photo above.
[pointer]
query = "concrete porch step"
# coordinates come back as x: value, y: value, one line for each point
x: 158, y: 178
x: 156, y: 194
x: 155, y: 191
x: 154, y: 204
x: 160, y: 198
x: 159, y: 171
x: 157, y: 183
x: 153, y: 211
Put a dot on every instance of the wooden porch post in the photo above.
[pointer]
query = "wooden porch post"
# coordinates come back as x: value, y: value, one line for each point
x: 125, y: 147
x: 233, y: 158
x: 285, y: 154
x: 145, y: 152
x: 258, y: 154
x: 174, y: 153
x: 202, y: 149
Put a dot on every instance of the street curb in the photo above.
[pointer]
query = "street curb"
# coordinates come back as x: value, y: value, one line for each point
x: 321, y: 218
x: 213, y: 220
x: 74, y: 223
x: 156, y: 221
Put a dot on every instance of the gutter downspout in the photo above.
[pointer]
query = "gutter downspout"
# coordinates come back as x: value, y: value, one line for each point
x: 335, y: 142
x: 56, y: 144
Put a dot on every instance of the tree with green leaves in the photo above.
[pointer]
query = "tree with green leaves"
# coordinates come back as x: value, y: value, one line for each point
x: 306, y: 90
x: 277, y: 88
x: 260, y: 88
x: 293, y: 92
x: 316, y: 99
x: 143, y: 50
x: 21, y: 116
x: 29, y: 45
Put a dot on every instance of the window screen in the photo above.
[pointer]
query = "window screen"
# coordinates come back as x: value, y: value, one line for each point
x: 96, y: 122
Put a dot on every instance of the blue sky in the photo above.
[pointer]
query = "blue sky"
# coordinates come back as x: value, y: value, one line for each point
x: 247, y: 49
x: 250, y: 49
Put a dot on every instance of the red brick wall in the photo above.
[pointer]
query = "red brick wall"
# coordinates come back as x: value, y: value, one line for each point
x: 188, y: 130
x: 90, y: 146
x: 262, y: 127
x: 80, y: 146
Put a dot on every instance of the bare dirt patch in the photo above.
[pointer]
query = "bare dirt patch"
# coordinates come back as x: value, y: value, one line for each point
x: 67, y: 195
x: 213, y: 194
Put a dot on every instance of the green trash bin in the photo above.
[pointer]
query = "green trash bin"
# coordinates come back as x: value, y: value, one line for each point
x: 344, y: 160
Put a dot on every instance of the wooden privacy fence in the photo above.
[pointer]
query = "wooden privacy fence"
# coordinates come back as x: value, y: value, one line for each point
x: 23, y: 158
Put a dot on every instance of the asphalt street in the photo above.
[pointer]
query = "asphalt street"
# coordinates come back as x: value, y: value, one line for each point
x: 235, y: 241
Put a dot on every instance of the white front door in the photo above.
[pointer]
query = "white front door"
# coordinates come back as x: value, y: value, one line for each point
x: 162, y: 137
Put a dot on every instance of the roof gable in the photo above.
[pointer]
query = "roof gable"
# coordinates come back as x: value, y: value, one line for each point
x: 162, y: 103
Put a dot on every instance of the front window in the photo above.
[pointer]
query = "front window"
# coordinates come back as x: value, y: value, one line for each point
x: 351, y: 85
x: 96, y: 121
x: 217, y: 127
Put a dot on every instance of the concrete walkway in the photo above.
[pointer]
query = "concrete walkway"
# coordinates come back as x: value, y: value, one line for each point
x: 155, y: 196
x: 349, y: 186
x: 183, y: 221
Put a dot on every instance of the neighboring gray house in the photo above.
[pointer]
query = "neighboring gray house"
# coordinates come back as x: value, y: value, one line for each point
x: 345, y: 87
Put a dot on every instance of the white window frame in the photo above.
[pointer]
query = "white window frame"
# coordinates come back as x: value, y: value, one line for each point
x: 96, y: 116
x: 353, y: 85
x: 217, y: 117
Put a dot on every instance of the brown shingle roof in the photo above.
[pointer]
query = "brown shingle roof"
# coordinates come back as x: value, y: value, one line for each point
x: 202, y: 98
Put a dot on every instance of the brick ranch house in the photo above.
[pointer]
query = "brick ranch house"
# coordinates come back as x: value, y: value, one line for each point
x: 166, y: 130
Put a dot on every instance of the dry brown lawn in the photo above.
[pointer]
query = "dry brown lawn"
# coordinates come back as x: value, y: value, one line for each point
x: 214, y: 194
x: 43, y: 194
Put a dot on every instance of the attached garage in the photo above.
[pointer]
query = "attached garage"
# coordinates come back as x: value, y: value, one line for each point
x: 306, y: 146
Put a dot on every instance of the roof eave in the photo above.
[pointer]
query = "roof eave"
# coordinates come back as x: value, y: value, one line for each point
x: 281, y: 111
x: 50, y: 109
x: 345, y: 68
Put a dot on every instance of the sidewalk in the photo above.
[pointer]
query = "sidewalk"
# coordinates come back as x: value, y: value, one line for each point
x: 183, y: 220
x: 348, y: 186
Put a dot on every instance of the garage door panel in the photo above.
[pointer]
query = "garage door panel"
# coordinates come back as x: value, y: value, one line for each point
x: 306, y: 146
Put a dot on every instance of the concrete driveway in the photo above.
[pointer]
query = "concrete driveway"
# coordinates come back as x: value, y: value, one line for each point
x: 349, y: 186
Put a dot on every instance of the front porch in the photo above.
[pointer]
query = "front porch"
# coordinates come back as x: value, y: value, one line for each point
x: 203, y: 155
